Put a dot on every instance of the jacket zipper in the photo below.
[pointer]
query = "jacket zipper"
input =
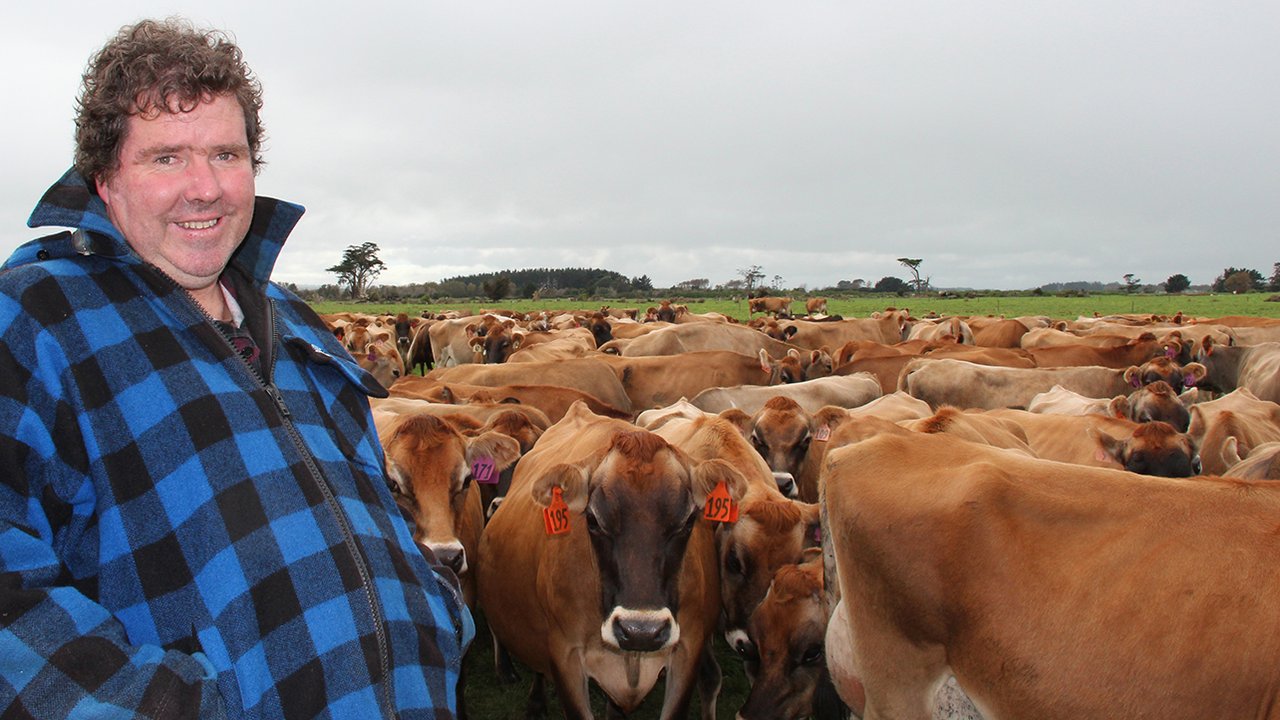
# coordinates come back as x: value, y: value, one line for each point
x: 348, y: 535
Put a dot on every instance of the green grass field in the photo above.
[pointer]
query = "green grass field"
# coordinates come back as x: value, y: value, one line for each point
x: 1255, y: 304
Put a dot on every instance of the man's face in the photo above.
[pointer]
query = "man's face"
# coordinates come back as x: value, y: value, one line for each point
x: 183, y: 194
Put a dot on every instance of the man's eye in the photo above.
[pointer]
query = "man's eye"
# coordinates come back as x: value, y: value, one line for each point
x: 166, y: 160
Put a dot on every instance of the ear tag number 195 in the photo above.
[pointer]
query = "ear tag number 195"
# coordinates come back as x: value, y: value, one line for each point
x: 556, y: 516
x: 720, y: 506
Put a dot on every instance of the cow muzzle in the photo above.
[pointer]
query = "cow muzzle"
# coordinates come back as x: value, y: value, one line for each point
x: 451, y: 555
x: 640, y: 630
x: 786, y: 484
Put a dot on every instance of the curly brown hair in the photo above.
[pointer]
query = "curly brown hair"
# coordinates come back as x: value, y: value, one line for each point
x: 153, y: 67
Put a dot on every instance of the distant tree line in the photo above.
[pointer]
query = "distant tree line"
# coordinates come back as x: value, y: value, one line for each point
x: 360, y: 265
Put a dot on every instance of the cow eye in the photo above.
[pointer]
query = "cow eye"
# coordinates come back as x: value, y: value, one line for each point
x: 812, y: 656
x: 1195, y: 465
x: 593, y: 524
x: 732, y: 564
x: 759, y: 444
x: 689, y: 522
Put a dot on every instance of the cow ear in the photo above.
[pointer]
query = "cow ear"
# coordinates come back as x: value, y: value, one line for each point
x: 1119, y: 407
x: 477, y: 348
x: 766, y: 364
x: 516, y: 339
x: 1193, y: 373
x: 1133, y: 376
x: 739, y: 419
x: 790, y: 331
x: 503, y: 449
x: 573, y: 482
x: 1108, y: 447
x: 793, y: 353
x: 1231, y: 451
x: 708, y: 474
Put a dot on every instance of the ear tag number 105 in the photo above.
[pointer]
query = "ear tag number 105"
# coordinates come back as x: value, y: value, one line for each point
x: 556, y: 515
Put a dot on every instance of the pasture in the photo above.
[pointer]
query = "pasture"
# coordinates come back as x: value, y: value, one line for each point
x: 1208, y: 305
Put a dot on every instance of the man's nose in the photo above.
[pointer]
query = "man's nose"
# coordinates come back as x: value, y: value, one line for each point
x: 203, y: 182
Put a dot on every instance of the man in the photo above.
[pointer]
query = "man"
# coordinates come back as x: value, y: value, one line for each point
x: 194, y: 517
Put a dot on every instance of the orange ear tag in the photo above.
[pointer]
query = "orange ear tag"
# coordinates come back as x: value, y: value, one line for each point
x: 556, y: 516
x: 483, y: 471
x: 720, y: 506
x: 823, y: 434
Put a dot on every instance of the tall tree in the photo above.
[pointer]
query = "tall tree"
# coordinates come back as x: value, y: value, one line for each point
x: 359, y: 267
x: 1176, y: 284
x: 1275, y: 278
x: 1131, y: 282
x: 497, y: 288
x: 1256, y: 281
x: 913, y: 264
x: 892, y: 284
x: 750, y: 276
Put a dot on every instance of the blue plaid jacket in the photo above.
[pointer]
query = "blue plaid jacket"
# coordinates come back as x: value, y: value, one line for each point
x: 181, y: 536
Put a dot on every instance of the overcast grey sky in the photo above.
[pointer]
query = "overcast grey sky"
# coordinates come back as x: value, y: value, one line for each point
x: 1007, y: 143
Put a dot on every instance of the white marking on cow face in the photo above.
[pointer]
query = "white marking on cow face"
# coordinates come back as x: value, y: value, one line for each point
x: 737, y: 639
x: 640, y: 630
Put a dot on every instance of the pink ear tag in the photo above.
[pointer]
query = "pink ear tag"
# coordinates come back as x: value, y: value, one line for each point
x: 823, y: 434
x: 484, y: 471
x: 1170, y: 353
x: 1136, y: 382
x: 1189, y: 381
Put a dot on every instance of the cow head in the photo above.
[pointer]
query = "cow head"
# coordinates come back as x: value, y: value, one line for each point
x: 498, y: 342
x: 1155, y: 448
x: 1170, y: 371
x: 641, y: 500
x: 788, y: 630
x: 382, y: 361
x: 430, y: 463
x: 820, y: 364
x: 1158, y: 401
x: 787, y: 369
x: 600, y: 328
x: 770, y: 532
x: 781, y: 432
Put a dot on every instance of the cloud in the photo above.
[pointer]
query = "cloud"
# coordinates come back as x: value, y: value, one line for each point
x: 1007, y: 144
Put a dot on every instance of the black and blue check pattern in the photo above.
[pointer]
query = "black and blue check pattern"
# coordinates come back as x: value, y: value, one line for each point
x: 179, y: 538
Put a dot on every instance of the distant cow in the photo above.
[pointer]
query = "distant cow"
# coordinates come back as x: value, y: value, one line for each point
x: 778, y: 306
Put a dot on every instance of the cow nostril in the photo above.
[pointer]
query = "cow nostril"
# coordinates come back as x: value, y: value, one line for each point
x: 453, y: 557
x: 641, y: 635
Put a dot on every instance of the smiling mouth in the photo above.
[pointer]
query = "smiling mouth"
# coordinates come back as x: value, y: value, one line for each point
x: 198, y: 224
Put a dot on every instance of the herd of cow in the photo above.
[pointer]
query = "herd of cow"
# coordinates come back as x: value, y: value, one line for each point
x: 893, y: 516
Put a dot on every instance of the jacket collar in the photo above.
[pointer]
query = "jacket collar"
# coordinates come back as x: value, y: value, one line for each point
x: 70, y: 203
